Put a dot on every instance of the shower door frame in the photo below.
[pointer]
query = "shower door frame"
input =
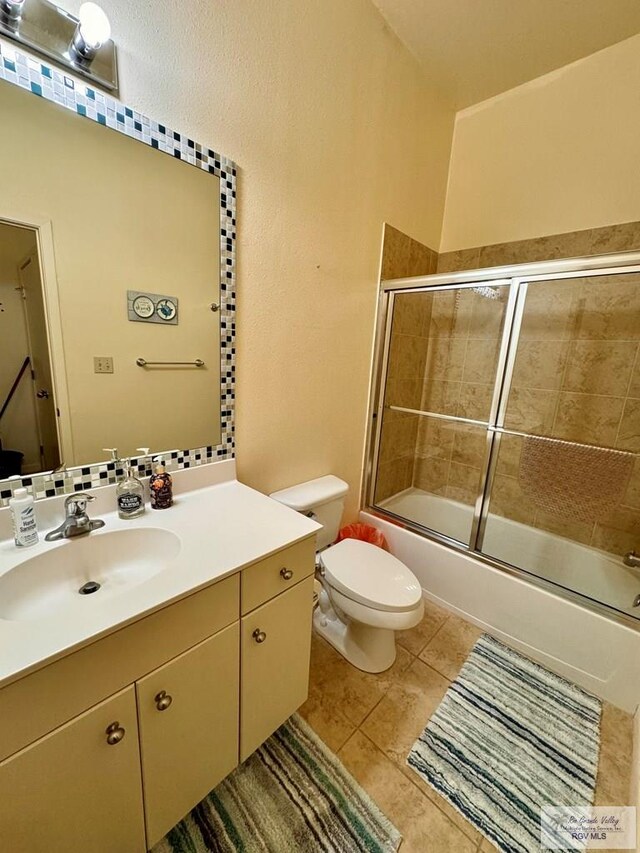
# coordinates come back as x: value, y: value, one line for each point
x: 516, y: 278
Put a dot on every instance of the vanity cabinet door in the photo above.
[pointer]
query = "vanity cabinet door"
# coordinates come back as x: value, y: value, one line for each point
x: 188, y: 715
x: 276, y: 644
x: 79, y: 787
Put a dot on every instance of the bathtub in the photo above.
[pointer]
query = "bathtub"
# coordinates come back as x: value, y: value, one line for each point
x: 569, y: 637
x: 596, y: 574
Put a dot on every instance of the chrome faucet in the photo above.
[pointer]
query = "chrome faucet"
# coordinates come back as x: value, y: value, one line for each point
x: 631, y: 559
x: 76, y: 521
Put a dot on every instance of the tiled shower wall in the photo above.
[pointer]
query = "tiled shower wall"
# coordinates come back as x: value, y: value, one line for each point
x: 401, y: 257
x: 577, y: 377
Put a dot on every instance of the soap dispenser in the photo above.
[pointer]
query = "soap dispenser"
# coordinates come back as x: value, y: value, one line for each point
x: 130, y: 494
x: 160, y: 486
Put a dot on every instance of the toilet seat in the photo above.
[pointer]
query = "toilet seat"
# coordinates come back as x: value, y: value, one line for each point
x: 371, y: 576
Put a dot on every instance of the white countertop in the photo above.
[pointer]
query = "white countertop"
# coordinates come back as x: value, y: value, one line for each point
x: 223, y: 528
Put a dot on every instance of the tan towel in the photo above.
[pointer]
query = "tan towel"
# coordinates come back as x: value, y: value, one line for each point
x: 579, y: 481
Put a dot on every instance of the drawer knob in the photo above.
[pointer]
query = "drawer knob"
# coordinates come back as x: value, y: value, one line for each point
x: 287, y: 574
x: 163, y: 700
x: 114, y: 733
x: 259, y: 636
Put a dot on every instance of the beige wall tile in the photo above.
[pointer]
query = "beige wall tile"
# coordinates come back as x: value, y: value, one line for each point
x: 440, y: 397
x: 607, y: 308
x: 619, y: 532
x: 435, y: 438
x: 629, y: 434
x: 445, y: 358
x: 632, y: 494
x: 548, y: 311
x: 463, y: 484
x: 431, y: 474
x: 540, y: 364
x: 487, y: 315
x: 463, y: 259
x: 587, y: 418
x: 615, y: 238
x: 577, y: 531
x: 450, y: 314
x: 600, y: 367
x: 393, y: 477
x: 469, y: 446
x: 531, y: 410
x: 407, y: 355
x: 509, y: 455
x: 481, y: 360
x: 475, y: 401
x: 509, y: 500
x: 404, y: 390
x: 403, y: 256
x: 411, y: 313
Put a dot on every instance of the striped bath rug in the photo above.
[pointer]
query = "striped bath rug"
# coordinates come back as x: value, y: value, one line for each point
x: 291, y: 796
x: 508, y: 738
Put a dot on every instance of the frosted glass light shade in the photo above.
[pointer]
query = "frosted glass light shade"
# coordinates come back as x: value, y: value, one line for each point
x: 95, y: 28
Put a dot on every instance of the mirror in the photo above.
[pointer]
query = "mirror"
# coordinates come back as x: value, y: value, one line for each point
x: 109, y: 254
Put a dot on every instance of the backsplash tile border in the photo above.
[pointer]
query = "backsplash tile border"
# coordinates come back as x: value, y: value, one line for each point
x: 53, y: 85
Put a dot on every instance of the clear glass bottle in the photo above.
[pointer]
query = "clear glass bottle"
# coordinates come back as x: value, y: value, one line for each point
x: 130, y: 494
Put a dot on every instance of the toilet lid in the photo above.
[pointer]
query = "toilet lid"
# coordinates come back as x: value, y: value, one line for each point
x: 371, y: 576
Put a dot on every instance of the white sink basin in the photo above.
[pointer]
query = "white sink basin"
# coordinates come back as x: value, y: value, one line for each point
x: 42, y: 586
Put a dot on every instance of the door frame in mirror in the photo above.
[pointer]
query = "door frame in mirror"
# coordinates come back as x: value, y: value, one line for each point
x: 23, y: 70
x: 46, y: 258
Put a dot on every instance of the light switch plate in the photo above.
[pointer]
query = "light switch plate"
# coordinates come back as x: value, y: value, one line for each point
x: 103, y: 364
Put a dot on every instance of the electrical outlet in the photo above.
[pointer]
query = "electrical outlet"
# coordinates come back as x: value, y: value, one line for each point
x: 103, y: 364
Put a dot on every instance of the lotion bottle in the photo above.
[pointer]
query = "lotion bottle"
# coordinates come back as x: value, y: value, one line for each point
x: 23, y: 516
x: 160, y: 486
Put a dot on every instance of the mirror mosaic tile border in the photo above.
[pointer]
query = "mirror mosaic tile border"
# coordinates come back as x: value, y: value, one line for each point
x: 44, y: 81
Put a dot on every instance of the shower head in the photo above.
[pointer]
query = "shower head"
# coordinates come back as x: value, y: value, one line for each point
x: 487, y: 292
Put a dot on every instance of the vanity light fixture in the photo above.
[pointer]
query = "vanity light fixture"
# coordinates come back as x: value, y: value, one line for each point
x: 81, y: 44
x: 11, y: 10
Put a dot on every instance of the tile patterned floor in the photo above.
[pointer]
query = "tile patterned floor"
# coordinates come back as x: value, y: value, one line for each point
x: 371, y: 722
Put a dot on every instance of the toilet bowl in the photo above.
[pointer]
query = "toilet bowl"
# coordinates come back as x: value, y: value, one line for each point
x: 367, y: 594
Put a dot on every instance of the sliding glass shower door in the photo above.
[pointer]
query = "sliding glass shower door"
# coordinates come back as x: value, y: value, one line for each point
x: 508, y: 421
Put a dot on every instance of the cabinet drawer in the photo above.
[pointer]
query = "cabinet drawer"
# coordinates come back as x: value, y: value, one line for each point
x: 73, y: 791
x: 42, y: 701
x: 188, y: 712
x: 269, y: 577
x: 276, y: 644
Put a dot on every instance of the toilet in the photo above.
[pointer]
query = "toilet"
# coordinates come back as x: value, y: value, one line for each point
x: 367, y: 594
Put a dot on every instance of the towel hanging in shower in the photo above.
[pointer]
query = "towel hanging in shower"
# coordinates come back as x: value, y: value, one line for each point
x: 578, y: 481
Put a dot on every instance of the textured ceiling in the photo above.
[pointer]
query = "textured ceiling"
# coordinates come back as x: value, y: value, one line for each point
x: 474, y: 49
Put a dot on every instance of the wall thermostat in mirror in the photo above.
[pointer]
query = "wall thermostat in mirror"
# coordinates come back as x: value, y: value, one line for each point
x: 152, y: 308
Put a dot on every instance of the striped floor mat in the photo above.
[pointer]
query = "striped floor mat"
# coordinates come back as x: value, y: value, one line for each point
x: 291, y: 796
x: 508, y: 738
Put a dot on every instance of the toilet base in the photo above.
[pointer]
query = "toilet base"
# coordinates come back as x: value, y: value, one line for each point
x: 367, y: 648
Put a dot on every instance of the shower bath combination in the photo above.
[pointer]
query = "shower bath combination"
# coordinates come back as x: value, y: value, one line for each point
x: 506, y: 416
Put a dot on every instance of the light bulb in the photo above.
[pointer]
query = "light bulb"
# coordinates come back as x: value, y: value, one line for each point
x: 95, y: 28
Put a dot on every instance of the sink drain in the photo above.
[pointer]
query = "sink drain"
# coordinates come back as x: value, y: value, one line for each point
x: 89, y: 587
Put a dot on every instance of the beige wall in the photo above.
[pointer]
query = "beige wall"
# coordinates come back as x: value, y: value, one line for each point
x: 333, y: 128
x: 555, y: 155
x: 124, y: 217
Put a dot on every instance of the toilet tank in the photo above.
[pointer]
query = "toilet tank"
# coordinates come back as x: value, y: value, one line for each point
x: 324, y: 497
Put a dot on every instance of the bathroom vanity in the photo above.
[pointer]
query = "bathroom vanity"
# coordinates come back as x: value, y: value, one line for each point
x: 119, y: 715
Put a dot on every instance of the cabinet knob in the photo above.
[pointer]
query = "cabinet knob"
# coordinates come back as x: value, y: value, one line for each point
x: 163, y: 700
x: 287, y: 574
x: 259, y: 636
x: 114, y: 733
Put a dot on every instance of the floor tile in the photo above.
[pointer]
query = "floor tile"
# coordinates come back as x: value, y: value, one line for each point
x: 614, y: 767
x: 423, y: 826
x: 398, y: 719
x: 339, y: 683
x: 327, y: 720
x: 450, y: 647
x: 415, y: 639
